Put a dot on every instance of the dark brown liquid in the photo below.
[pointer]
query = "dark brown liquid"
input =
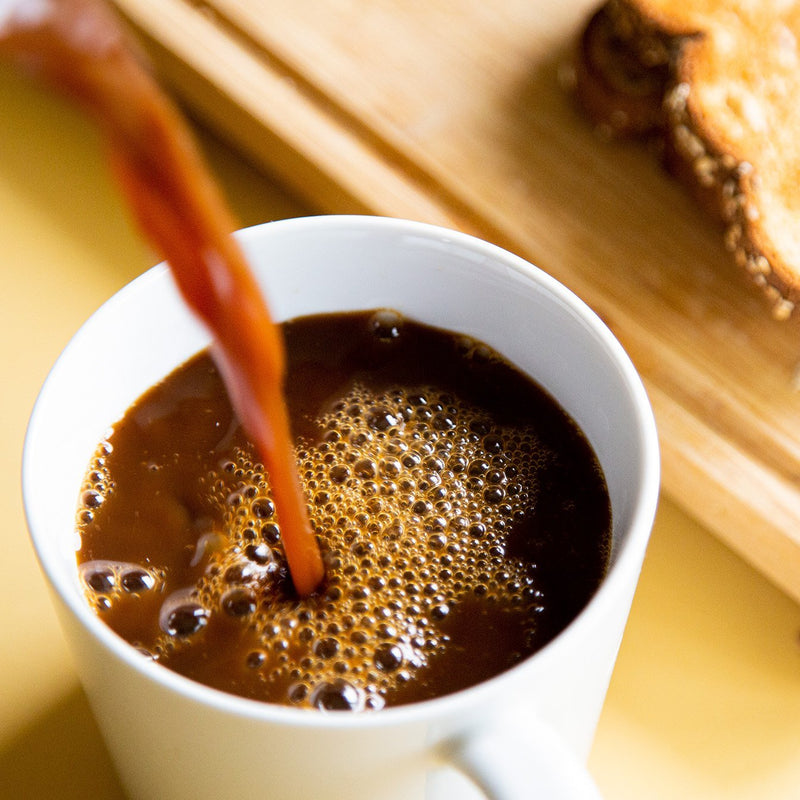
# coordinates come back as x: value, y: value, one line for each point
x: 463, y: 518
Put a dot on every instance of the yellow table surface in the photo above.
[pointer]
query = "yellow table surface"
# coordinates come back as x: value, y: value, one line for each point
x: 705, y: 699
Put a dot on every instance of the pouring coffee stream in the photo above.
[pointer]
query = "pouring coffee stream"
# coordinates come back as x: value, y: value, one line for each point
x: 79, y: 48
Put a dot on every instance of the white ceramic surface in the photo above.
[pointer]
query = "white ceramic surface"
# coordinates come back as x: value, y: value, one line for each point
x: 524, y: 732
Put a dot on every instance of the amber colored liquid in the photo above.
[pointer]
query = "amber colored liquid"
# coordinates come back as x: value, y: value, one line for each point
x: 463, y: 518
x: 80, y: 48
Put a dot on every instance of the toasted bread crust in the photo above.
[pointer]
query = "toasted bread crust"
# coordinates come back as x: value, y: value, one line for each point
x: 719, y: 89
x: 622, y: 73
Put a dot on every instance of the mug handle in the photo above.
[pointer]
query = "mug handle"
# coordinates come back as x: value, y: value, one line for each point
x: 511, y: 762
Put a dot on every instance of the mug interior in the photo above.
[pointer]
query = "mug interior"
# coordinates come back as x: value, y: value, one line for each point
x: 326, y: 264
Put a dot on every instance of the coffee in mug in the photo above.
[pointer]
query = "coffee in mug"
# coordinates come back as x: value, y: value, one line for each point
x: 463, y: 518
x: 526, y: 731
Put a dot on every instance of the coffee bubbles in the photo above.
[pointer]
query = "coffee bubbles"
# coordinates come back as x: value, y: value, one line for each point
x: 411, y: 496
x: 111, y: 578
x: 419, y: 497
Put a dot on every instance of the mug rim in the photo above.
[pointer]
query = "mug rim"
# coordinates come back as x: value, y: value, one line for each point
x: 627, y: 559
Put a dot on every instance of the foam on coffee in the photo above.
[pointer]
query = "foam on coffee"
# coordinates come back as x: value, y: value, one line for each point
x: 389, y: 467
x: 413, y: 494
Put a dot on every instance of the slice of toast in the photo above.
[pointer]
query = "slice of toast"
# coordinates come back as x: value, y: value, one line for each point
x: 717, y: 84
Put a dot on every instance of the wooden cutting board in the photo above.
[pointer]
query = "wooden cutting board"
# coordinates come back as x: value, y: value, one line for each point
x: 455, y: 112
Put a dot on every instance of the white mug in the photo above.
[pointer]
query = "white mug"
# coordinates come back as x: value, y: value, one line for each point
x: 523, y: 734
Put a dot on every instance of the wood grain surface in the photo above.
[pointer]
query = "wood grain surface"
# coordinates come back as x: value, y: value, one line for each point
x: 458, y: 112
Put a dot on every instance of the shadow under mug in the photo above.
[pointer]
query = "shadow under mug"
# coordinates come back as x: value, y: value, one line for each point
x: 523, y: 734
